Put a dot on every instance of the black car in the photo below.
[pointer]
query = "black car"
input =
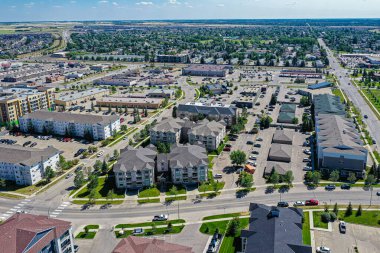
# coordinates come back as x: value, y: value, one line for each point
x: 26, y: 143
x: 249, y: 142
x: 345, y: 187
x: 282, y: 204
x: 330, y: 187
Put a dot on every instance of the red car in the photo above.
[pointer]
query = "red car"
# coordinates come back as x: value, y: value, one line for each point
x: 311, y: 202
x: 227, y: 149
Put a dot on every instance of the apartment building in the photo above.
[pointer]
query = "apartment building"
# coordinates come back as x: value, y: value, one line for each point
x: 25, y: 165
x: 136, y: 168
x: 30, y: 233
x: 74, y: 98
x: 207, y: 70
x: 178, y: 58
x: 328, y: 104
x: 212, y: 111
x: 143, y: 167
x: 98, y: 127
x: 169, y: 130
x: 16, y: 102
x: 210, y: 133
x: 339, y: 146
x: 131, y: 102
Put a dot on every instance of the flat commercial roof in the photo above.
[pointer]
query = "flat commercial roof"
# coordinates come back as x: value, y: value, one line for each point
x: 78, y: 95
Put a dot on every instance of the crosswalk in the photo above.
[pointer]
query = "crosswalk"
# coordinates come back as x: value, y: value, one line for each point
x: 59, y: 209
x: 17, y: 208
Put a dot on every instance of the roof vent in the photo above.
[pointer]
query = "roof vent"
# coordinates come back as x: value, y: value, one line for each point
x: 274, y: 213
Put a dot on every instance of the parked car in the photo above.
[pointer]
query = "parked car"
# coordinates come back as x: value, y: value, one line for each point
x: 365, y: 116
x: 161, y: 217
x: 342, y: 227
x: 253, y: 157
x: 305, y: 160
x: 249, y: 142
x: 26, y: 143
x: 307, y: 168
x: 100, y: 154
x: 282, y: 204
x: 257, y: 145
x: 255, y: 152
x: 374, y: 141
x: 228, y: 149
x: 259, y: 139
x: 330, y: 187
x: 33, y: 144
x: 323, y: 249
x: 299, y: 203
x: 138, y: 231
x: 378, y: 193
x: 345, y: 186
x: 216, y: 176
x: 307, y: 151
x: 311, y: 202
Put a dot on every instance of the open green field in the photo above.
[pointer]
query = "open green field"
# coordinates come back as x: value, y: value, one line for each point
x: 374, y: 96
x: 7, y: 31
x: 105, y: 184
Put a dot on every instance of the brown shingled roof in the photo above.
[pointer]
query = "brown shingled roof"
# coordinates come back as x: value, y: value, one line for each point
x: 134, y: 244
x: 19, y: 230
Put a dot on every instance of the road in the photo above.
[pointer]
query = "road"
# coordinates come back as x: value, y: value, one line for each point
x: 353, y: 94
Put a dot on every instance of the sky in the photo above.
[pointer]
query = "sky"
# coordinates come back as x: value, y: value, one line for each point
x: 67, y: 10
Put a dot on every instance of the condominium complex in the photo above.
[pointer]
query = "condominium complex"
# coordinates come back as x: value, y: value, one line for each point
x: 96, y: 127
x: 207, y: 70
x: 209, y: 133
x: 178, y: 58
x: 339, y: 146
x: 131, y: 102
x: 25, y: 165
x: 212, y: 111
x: 143, y: 167
x: 36, y: 233
x: 16, y: 102
x: 74, y: 98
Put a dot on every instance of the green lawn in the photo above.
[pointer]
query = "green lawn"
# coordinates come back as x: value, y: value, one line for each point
x: 318, y: 223
x: 7, y: 31
x: 210, y: 187
x: 210, y: 159
x: 83, y: 235
x: 150, y: 192
x: 145, y: 201
x: 149, y: 232
x: 169, y: 199
x: 368, y: 218
x: 105, y: 184
x: 180, y: 190
x: 92, y: 226
x: 210, y: 227
x: 232, y: 244
x: 98, y: 202
x: 148, y: 224
x: 372, y: 98
x: 338, y: 92
x: 227, y: 215
x: 306, y: 229
x: 10, y: 196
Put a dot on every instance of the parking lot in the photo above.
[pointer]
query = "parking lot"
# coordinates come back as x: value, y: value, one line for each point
x: 364, y: 237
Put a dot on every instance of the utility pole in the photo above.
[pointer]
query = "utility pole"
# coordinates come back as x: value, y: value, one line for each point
x: 178, y: 208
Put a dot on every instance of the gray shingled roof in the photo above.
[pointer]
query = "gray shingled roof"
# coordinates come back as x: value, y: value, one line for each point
x: 206, y: 110
x: 207, y: 128
x: 283, y: 136
x: 285, y: 117
x: 328, y: 104
x: 277, y: 234
x: 187, y: 156
x: 288, y: 108
x: 17, y: 154
x: 135, y: 160
x: 169, y: 125
x: 279, y: 167
x: 71, y: 117
x: 280, y: 150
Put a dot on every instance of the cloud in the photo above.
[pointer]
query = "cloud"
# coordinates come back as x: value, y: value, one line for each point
x: 173, y: 2
x: 57, y: 6
x: 144, y: 3
x: 103, y: 2
x: 29, y: 5
x: 115, y: 4
x: 220, y: 5
x: 73, y: 1
x: 293, y: 3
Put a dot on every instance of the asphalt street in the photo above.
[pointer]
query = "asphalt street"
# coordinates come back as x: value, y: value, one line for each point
x: 353, y: 95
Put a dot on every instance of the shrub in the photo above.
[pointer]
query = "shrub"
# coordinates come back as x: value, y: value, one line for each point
x: 326, y: 217
x: 332, y: 217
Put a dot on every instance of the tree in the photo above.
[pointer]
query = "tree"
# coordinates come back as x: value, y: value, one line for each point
x: 174, y: 112
x: 173, y: 190
x: 246, y: 180
x: 370, y: 180
x: 109, y: 196
x: 274, y: 177
x: 316, y: 177
x: 49, y: 174
x: 91, y: 196
x: 295, y: 120
x: 359, y: 211
x: 351, y: 178
x: 104, y: 167
x: 273, y: 100
x: 3, y: 183
x: 288, y: 177
x: 97, y: 166
x: 336, y: 209
x: 238, y: 157
x: 93, y: 182
x: 78, y: 179
x: 348, y: 210
x: 170, y: 227
x: 234, y: 227
x: 334, y: 175
x: 124, y: 128
x: 116, y: 154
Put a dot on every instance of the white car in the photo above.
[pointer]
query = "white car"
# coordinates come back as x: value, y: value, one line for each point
x: 299, y: 203
x: 253, y: 157
x: 306, y: 160
x: 100, y: 154
x: 307, y: 168
x: 323, y: 249
x: 306, y: 151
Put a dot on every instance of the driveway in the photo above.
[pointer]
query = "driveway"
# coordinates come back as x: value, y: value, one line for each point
x: 365, y: 238
x: 191, y: 237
